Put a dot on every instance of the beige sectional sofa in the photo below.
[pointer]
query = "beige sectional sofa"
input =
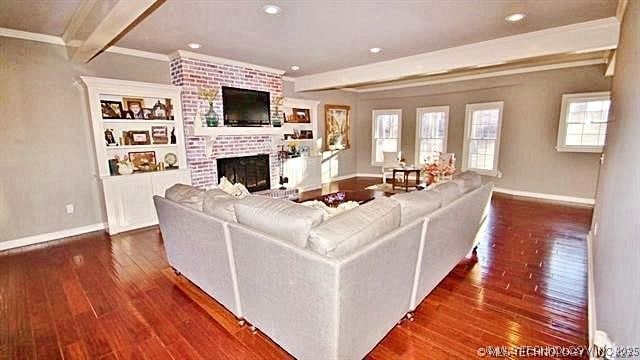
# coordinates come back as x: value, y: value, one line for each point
x: 322, y: 289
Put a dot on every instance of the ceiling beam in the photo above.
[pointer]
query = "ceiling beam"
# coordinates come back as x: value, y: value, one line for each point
x: 611, y: 64
x: 594, y: 35
x: 78, y: 18
x: 122, y: 15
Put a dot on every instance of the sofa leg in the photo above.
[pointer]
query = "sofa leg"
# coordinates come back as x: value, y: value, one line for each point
x: 253, y: 329
x: 241, y: 322
x: 475, y: 249
x: 175, y: 271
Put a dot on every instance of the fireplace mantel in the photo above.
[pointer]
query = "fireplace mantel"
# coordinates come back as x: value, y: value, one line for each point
x: 214, y: 132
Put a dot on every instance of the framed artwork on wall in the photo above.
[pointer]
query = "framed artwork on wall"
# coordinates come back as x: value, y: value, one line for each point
x: 336, y: 125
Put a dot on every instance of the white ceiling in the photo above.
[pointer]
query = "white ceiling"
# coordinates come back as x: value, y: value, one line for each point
x: 318, y: 35
x: 40, y: 16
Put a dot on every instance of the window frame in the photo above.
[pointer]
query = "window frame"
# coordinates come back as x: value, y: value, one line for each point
x: 425, y: 110
x: 469, y: 109
x: 567, y: 99
x: 374, y: 116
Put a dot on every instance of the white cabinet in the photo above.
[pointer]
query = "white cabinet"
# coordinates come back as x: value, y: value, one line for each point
x: 154, y: 136
x: 304, y: 173
x: 130, y: 204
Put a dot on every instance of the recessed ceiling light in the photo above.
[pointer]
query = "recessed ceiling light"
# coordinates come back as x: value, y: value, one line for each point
x: 295, y: 68
x: 271, y: 9
x: 194, y: 45
x: 375, y: 50
x: 515, y: 17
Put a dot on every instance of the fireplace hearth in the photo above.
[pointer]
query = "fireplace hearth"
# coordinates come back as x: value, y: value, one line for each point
x: 252, y: 171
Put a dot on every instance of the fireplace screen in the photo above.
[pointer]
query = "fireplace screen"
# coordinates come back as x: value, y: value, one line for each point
x: 252, y: 171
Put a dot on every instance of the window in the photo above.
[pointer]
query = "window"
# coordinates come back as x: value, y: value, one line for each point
x: 431, y: 131
x: 482, y: 137
x: 386, y: 130
x: 583, y: 122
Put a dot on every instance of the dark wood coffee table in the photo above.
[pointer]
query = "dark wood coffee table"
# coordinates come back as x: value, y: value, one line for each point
x: 406, y: 172
x: 339, y: 197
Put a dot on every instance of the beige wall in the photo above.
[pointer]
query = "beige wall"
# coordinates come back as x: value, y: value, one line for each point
x: 342, y: 162
x: 616, y: 245
x: 46, y: 152
x: 528, y: 159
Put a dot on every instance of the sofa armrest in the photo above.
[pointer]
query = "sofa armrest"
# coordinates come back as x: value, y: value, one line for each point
x: 288, y: 292
x: 375, y: 288
x: 198, y: 246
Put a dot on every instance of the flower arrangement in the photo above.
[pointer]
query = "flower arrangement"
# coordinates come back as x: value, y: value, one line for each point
x: 437, y: 167
x: 208, y: 94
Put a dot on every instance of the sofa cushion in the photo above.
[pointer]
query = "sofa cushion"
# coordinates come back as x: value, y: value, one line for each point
x: 468, y: 181
x: 186, y: 195
x: 283, y: 219
x: 352, y: 229
x: 237, y: 190
x: 448, y: 190
x: 416, y: 204
x: 219, y: 204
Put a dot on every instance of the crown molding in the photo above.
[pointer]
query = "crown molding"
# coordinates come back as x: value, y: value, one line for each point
x: 522, y: 70
x: 224, y: 61
x: 57, y: 40
x: 137, y: 53
x: 596, y: 34
x: 25, y: 35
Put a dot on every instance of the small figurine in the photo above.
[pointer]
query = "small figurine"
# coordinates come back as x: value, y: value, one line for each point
x: 173, y: 135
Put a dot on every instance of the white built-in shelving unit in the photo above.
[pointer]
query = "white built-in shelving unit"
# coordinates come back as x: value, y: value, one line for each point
x: 129, y: 198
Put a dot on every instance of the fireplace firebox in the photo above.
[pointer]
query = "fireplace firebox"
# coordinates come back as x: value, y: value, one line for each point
x: 252, y: 171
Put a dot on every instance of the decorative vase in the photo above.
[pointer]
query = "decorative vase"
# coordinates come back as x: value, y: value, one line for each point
x: 211, y: 116
x: 432, y: 179
x: 276, y: 122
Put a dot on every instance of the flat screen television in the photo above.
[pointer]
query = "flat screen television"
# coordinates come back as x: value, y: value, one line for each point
x: 244, y: 107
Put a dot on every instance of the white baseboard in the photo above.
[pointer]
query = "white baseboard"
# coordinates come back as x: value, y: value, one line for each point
x: 35, y: 239
x: 571, y: 199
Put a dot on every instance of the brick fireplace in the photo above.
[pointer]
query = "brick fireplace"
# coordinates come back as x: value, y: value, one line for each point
x: 193, y: 71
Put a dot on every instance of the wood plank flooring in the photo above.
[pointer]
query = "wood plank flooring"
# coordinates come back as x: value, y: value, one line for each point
x: 102, y: 297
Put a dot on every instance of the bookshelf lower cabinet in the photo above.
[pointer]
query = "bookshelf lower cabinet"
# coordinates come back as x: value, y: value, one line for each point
x: 130, y: 204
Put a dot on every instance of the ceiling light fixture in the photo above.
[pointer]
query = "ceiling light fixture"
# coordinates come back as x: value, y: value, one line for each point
x: 194, y: 45
x: 271, y: 9
x: 515, y: 17
x: 295, y: 68
x: 375, y: 50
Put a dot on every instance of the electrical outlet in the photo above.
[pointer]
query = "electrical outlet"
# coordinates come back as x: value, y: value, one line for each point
x: 70, y: 208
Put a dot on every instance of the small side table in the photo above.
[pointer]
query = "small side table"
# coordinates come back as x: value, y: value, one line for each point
x: 406, y: 173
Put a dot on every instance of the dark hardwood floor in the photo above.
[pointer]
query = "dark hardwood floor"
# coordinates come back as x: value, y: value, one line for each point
x: 96, y: 296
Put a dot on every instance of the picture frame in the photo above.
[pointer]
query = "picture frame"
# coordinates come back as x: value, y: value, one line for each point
x: 143, y: 160
x: 135, y: 106
x: 299, y: 116
x: 111, y: 109
x: 159, y: 134
x: 306, y: 134
x: 139, y: 137
x: 337, y: 127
